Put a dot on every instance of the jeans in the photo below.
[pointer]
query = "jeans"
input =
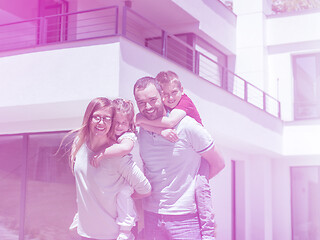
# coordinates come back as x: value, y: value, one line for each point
x: 171, y: 227
x: 204, y: 202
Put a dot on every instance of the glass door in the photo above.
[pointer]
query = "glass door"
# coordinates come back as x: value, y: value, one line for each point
x: 55, y: 26
x: 305, y: 198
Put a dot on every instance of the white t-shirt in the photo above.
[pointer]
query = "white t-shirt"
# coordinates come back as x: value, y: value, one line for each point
x: 135, y: 151
x: 172, y: 167
x: 97, y: 189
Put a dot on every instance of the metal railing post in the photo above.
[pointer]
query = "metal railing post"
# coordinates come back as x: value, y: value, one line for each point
x: 43, y: 30
x: 117, y: 21
x: 62, y: 28
x: 245, y: 97
x: 279, y: 109
x: 196, y: 62
x: 124, y: 21
x: 164, y: 38
x: 224, y: 78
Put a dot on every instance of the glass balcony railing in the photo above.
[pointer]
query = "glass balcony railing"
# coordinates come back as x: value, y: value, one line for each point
x: 105, y: 22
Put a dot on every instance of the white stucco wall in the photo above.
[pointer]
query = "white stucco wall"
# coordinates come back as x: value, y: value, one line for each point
x: 215, y: 20
x: 293, y: 28
x: 48, y: 85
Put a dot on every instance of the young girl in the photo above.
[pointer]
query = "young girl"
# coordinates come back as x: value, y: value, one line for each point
x: 123, y: 130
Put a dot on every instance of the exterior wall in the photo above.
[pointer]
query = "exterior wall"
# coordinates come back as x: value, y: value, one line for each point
x: 288, y: 35
x: 281, y: 200
x: 18, y: 8
x: 43, y: 82
x: 251, y: 55
x: 7, y: 17
x: 47, y: 89
x: 215, y: 20
x: 258, y: 204
x: 298, y: 28
x: 27, y: 32
x: 302, y: 138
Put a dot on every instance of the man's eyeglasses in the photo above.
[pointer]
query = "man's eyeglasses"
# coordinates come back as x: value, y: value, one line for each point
x: 97, y: 119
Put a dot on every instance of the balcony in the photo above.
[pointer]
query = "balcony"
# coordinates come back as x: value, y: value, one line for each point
x: 110, y: 21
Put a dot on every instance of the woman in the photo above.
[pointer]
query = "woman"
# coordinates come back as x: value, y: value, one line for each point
x: 97, y: 188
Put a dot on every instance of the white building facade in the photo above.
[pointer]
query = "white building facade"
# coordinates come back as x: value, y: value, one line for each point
x: 254, y: 76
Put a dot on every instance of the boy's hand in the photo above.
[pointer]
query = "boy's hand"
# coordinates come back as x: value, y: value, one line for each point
x: 170, y: 135
x: 95, y: 161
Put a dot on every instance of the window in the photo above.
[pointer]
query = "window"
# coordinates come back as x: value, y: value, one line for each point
x: 50, y: 198
x: 306, y: 69
x: 38, y: 187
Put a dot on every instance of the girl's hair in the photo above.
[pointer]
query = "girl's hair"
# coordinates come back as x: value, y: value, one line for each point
x: 82, y: 133
x: 125, y: 107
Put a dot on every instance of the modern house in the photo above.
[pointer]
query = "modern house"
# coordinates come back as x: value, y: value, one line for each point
x: 253, y: 74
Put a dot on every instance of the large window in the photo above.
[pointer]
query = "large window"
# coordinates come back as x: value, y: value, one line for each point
x: 11, y: 173
x: 36, y: 187
x: 306, y: 69
x: 305, y: 198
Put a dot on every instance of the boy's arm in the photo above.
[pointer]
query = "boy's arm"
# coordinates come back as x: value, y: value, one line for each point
x: 215, y: 160
x: 169, y: 134
x: 170, y: 121
x: 116, y: 150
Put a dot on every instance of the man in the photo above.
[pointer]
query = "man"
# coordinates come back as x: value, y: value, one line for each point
x: 171, y: 167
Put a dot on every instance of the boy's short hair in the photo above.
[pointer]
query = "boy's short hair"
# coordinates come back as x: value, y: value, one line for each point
x: 168, y: 77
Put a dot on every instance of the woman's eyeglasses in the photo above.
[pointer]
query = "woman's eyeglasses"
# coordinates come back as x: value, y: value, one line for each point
x: 97, y: 119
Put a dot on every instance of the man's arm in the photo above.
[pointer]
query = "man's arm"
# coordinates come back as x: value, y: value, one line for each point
x: 215, y: 160
x: 169, y: 121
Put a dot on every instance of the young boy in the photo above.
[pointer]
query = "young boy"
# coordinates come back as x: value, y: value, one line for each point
x: 180, y: 105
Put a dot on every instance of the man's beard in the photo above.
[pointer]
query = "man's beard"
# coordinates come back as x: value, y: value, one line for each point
x: 157, y: 113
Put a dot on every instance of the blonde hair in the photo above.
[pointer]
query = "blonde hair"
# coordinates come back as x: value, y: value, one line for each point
x: 82, y: 133
x: 168, y: 77
x: 125, y: 107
